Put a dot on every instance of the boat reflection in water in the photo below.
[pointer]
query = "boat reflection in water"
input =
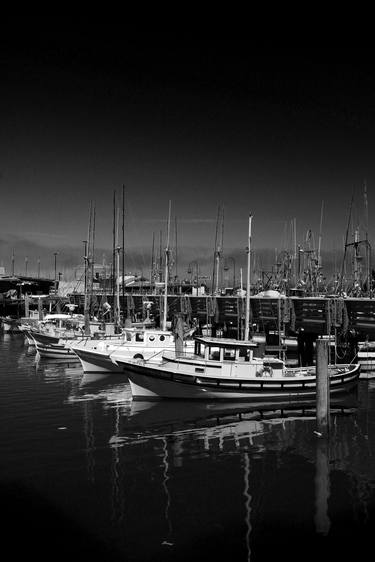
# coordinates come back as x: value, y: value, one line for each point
x: 219, y: 480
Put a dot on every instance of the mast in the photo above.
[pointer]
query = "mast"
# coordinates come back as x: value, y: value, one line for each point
x: 247, y: 314
x: 345, y: 245
x: 320, y: 235
x: 218, y: 250
x: 160, y: 257
x: 165, y: 311
x: 175, y: 229
x: 152, y: 270
x: 92, y: 250
x: 87, y: 274
x: 368, y: 246
x: 123, y: 253
x: 117, y: 271
x: 114, y: 256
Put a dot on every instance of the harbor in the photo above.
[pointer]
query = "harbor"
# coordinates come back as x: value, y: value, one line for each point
x: 82, y: 461
x: 187, y: 298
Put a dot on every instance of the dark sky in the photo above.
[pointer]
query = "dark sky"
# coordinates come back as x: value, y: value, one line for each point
x: 201, y: 123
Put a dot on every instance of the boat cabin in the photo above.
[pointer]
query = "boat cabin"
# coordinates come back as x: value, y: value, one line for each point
x: 149, y: 338
x: 224, y: 349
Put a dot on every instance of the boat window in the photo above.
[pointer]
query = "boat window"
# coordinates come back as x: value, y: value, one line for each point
x: 215, y: 355
x: 151, y: 338
x: 162, y: 338
x: 128, y: 336
x: 229, y: 354
x: 139, y: 337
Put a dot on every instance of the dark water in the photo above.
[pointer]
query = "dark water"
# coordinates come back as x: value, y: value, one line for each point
x: 87, y: 475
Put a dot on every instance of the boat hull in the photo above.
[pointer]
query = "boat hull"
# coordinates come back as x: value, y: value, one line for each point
x: 149, y: 383
x: 96, y: 362
x: 56, y: 351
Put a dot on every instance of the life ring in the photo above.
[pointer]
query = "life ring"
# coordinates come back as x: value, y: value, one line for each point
x: 267, y: 371
x: 138, y: 358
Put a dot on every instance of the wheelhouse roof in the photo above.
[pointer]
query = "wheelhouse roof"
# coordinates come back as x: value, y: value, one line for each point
x: 225, y: 342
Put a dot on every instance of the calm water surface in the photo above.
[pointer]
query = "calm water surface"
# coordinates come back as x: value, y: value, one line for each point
x: 85, y: 474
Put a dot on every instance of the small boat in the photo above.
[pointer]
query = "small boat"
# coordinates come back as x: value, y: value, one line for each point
x: 96, y: 355
x: 226, y: 369
x: 52, y: 347
x: 366, y: 358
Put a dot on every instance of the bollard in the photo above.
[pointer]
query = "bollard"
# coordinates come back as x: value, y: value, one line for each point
x: 322, y: 387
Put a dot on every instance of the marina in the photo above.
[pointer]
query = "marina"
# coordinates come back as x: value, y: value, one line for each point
x: 81, y: 460
x: 187, y: 298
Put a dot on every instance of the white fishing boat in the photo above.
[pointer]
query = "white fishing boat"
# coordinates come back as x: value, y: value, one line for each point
x: 366, y: 358
x: 53, y: 347
x: 96, y: 355
x: 225, y: 369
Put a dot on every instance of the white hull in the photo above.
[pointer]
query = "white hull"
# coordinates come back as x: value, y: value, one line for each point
x: 98, y: 358
x: 154, y: 382
x: 96, y: 362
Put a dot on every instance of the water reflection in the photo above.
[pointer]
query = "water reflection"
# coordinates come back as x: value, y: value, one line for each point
x: 322, y: 487
x: 248, y: 444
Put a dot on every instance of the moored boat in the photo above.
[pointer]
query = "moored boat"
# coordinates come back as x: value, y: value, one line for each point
x: 52, y: 347
x: 99, y: 356
x: 224, y: 369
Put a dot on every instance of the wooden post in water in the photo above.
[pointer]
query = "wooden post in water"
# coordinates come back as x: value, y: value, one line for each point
x: 179, y: 334
x: 27, y: 308
x: 40, y: 308
x: 322, y: 387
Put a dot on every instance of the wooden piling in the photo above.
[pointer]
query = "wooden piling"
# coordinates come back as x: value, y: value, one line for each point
x: 40, y: 308
x: 179, y: 334
x: 27, y: 307
x: 322, y: 387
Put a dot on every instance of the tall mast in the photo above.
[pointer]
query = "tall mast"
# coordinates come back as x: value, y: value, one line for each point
x: 320, y: 236
x: 247, y: 314
x: 117, y: 270
x: 114, y: 256
x: 175, y: 229
x: 160, y: 257
x: 123, y: 252
x: 345, y: 245
x: 93, y: 249
x: 87, y: 274
x: 368, y: 247
x: 165, y: 311
x: 152, y: 270
x: 218, y: 249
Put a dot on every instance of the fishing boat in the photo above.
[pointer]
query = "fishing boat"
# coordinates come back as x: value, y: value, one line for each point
x: 52, y: 347
x: 226, y: 369
x: 96, y: 355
